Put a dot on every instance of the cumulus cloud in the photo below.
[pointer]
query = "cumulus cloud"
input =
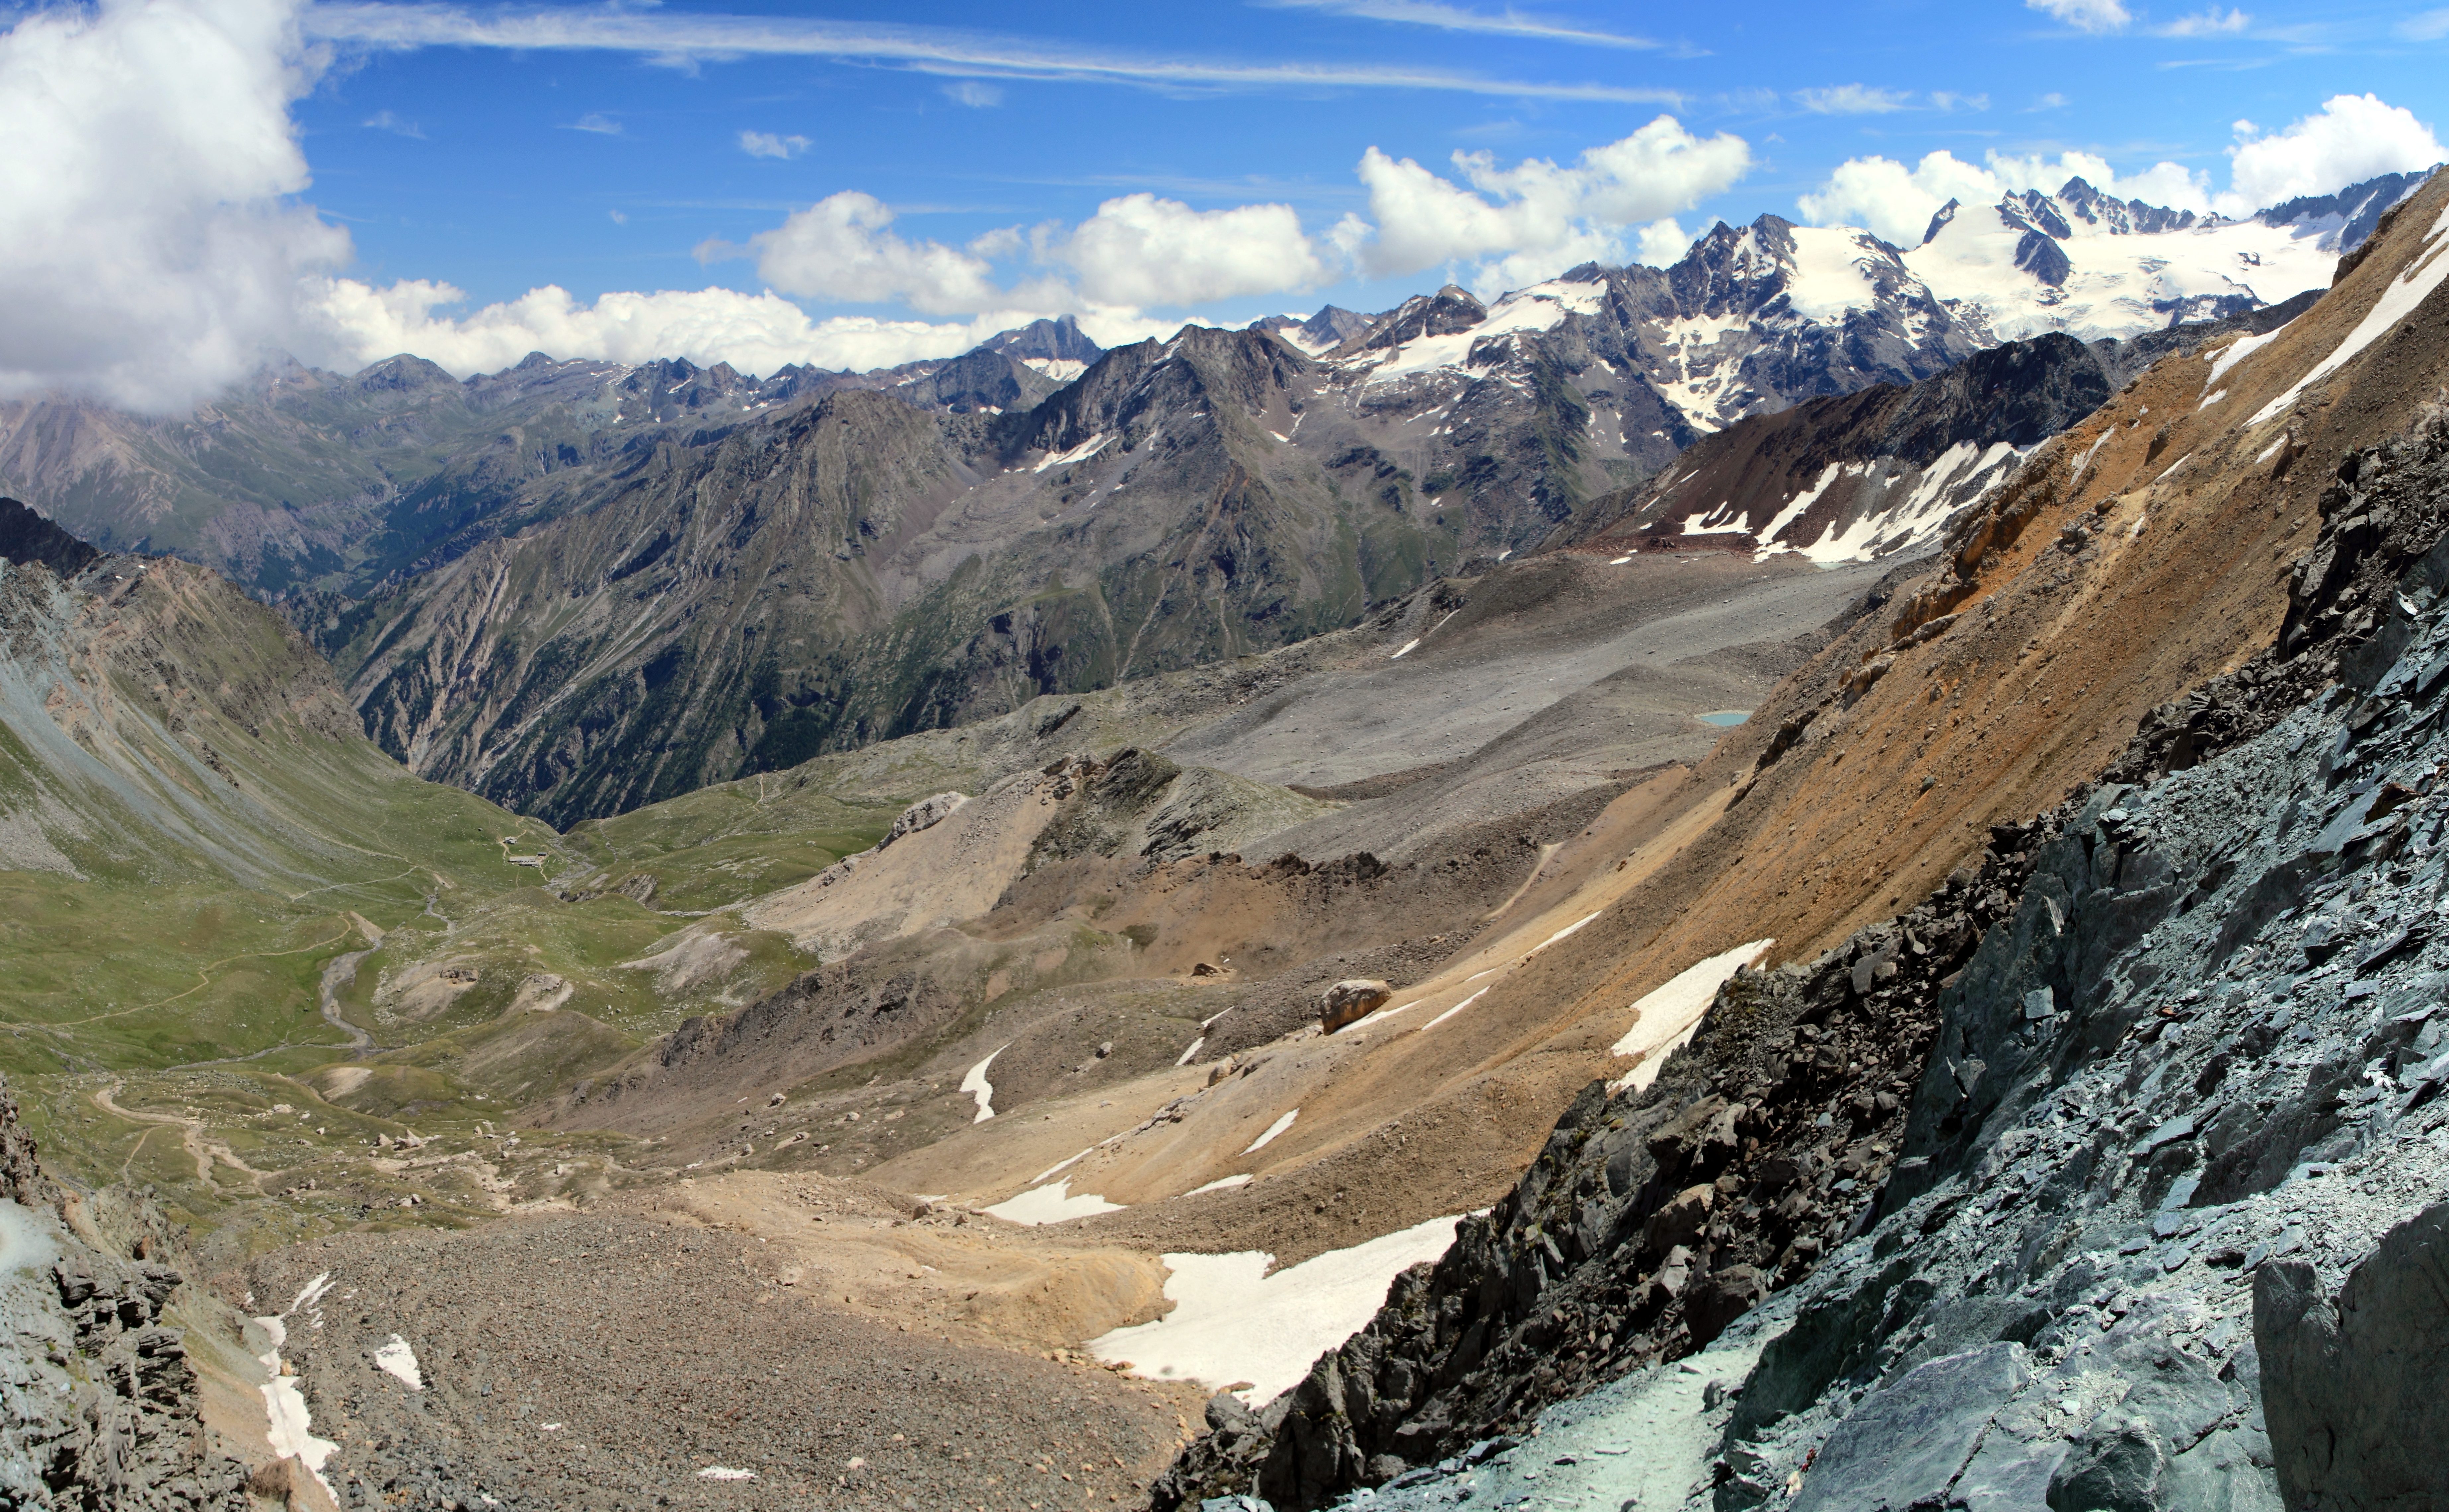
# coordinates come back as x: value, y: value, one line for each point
x: 149, y: 244
x: 2352, y: 138
x: 1534, y: 220
x: 2085, y: 15
x: 842, y: 248
x: 767, y: 144
x: 1141, y: 250
x: 1896, y: 202
x: 1661, y: 243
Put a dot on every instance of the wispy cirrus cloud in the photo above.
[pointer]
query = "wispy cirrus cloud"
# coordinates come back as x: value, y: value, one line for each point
x: 1853, y: 99
x: 597, y: 122
x: 2429, y: 26
x: 2211, y: 23
x: 390, y: 122
x: 688, y: 39
x: 1508, y: 22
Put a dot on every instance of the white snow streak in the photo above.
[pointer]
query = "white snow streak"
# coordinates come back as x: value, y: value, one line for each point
x: 2423, y: 274
x: 1274, y: 1128
x: 976, y: 1085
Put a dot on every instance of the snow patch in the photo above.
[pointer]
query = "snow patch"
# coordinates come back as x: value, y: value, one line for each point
x: 289, y: 1426
x: 1667, y: 1016
x: 1274, y: 1128
x: 1053, y: 1203
x: 976, y: 1085
x: 1078, y: 454
x: 1233, y: 1321
x: 1057, y: 1166
x: 1192, y: 1051
x: 1222, y: 1184
x: 1407, y: 646
x: 725, y: 1472
x: 396, y: 1359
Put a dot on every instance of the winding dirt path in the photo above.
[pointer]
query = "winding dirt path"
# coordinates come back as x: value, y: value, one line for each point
x: 191, y: 1133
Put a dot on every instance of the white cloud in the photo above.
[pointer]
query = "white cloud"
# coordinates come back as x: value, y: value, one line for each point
x: 596, y: 122
x: 756, y: 332
x: 1662, y: 243
x: 1455, y: 18
x: 2085, y: 15
x: 1141, y: 250
x: 388, y: 121
x: 2431, y: 26
x: 1896, y: 202
x: 2050, y: 100
x: 974, y: 94
x: 842, y: 248
x: 1949, y: 100
x: 2211, y: 23
x: 1851, y: 99
x: 1536, y: 218
x: 149, y: 244
x: 767, y: 144
x: 2352, y: 138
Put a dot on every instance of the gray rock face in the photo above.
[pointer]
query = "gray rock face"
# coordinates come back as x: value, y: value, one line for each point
x: 97, y: 1400
x: 2356, y: 1386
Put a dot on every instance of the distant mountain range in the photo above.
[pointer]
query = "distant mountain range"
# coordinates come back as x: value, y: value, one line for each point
x: 578, y: 586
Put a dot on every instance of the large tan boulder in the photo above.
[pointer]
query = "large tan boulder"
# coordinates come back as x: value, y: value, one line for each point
x: 1347, y: 1001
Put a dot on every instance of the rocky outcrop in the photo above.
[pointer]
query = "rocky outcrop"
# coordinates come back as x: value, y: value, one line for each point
x: 2356, y: 1386
x: 97, y: 1399
x: 1651, y: 1221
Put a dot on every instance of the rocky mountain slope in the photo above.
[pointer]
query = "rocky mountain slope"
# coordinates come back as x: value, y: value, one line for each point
x: 301, y: 481
x: 1883, y: 472
x: 2007, y: 1204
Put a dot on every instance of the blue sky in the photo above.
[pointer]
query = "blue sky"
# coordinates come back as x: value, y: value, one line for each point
x: 484, y: 152
x: 502, y: 187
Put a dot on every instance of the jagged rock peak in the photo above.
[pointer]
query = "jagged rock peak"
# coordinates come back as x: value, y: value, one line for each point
x: 1449, y: 310
x: 1057, y: 340
x: 27, y: 536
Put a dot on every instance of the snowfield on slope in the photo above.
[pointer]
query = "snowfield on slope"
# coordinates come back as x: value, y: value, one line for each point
x: 1233, y: 1321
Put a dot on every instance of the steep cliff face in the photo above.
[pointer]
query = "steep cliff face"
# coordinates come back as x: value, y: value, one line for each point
x: 101, y: 1398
